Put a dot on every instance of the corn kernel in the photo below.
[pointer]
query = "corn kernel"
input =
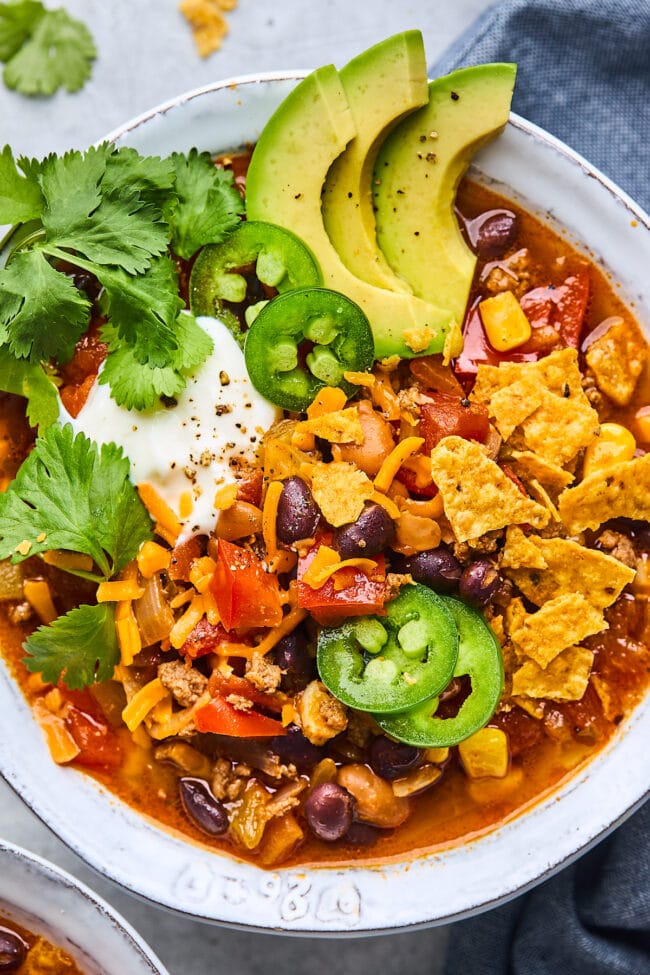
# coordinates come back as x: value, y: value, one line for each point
x: 504, y: 321
x: 614, y: 446
x: 485, y: 754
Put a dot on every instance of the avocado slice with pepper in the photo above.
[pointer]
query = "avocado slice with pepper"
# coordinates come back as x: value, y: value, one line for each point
x: 382, y: 85
x: 417, y: 173
x: 288, y: 168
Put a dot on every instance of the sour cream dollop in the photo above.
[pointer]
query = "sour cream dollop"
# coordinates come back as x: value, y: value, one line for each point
x: 193, y: 446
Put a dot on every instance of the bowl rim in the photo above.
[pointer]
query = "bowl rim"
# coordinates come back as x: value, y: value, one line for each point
x: 636, y: 793
x: 50, y: 871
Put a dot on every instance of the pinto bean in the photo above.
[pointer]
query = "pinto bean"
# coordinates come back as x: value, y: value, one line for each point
x: 375, y: 801
x: 377, y: 441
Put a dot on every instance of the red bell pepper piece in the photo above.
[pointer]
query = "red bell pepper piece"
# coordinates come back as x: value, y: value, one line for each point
x: 98, y: 745
x: 361, y: 595
x: 452, y: 416
x: 246, y: 595
x: 208, y: 638
x: 222, y: 718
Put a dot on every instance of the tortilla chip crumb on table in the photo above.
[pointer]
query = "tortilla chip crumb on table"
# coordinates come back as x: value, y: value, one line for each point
x: 209, y: 26
x: 621, y: 491
x: 560, y: 623
x: 477, y: 496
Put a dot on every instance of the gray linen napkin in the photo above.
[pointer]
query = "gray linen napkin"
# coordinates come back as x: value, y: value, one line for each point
x: 584, y: 75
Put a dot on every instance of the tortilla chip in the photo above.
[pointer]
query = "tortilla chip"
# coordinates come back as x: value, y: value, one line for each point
x: 568, y: 567
x: 513, y: 404
x: 562, y: 421
x: 560, y: 623
x: 565, y: 678
x: 530, y: 706
x: 339, y: 426
x: 617, y: 359
x: 621, y: 491
x: 476, y: 494
x: 520, y: 551
x: 340, y: 490
x: 528, y: 465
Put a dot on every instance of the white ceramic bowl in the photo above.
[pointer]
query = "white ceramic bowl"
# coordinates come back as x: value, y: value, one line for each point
x: 48, y: 901
x: 553, y: 182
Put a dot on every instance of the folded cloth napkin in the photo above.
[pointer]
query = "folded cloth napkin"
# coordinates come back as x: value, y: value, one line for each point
x: 584, y: 75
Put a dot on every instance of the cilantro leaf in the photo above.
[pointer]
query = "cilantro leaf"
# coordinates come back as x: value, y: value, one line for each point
x: 209, y: 206
x: 29, y: 379
x: 118, y: 228
x: 144, y: 308
x: 139, y: 386
x: 78, y: 648
x: 17, y: 21
x: 71, y: 494
x: 153, y: 178
x: 42, y: 312
x: 20, y: 196
x: 58, y: 52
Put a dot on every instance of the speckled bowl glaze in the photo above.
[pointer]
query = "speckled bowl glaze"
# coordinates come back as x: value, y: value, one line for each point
x: 553, y: 182
x: 48, y: 901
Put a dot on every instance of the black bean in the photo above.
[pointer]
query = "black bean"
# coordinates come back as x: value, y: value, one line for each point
x: 492, y: 233
x: 373, y: 530
x: 362, y: 834
x: 297, y: 512
x: 294, y: 749
x: 293, y: 657
x: 436, y: 567
x: 392, y: 759
x: 329, y: 810
x: 479, y: 582
x: 13, y: 950
x: 202, y: 806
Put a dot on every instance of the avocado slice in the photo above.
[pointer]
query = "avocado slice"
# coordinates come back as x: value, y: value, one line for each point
x: 382, y: 85
x: 290, y: 162
x: 417, y: 173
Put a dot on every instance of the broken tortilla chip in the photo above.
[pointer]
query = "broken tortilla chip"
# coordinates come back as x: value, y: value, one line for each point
x: 544, y: 568
x: 340, y: 491
x: 621, y: 491
x: 513, y: 404
x: 528, y: 465
x: 560, y: 623
x: 477, y: 496
x: 565, y: 678
x: 339, y: 426
x: 617, y: 358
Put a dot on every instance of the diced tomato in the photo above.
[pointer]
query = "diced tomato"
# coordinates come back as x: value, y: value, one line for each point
x: 363, y: 595
x: 222, y: 685
x: 74, y: 396
x: 246, y: 595
x: 79, y: 374
x: 564, y: 308
x: 409, y: 479
x: 208, y: 638
x: 98, y: 744
x: 557, y: 317
x: 222, y: 718
x: 447, y: 416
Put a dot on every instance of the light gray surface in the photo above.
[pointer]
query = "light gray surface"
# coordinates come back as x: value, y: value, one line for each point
x: 146, y: 55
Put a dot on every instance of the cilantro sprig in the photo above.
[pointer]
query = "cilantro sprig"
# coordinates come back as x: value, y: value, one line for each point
x: 118, y: 216
x: 73, y: 495
x: 43, y: 49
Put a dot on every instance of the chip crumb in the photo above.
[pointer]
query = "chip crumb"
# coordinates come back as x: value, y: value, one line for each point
x: 23, y: 548
x: 209, y: 26
x: 419, y: 337
x: 339, y: 426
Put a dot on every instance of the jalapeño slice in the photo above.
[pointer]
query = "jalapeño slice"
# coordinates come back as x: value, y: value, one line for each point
x: 281, y: 261
x: 479, y: 657
x: 390, y: 663
x: 303, y: 340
